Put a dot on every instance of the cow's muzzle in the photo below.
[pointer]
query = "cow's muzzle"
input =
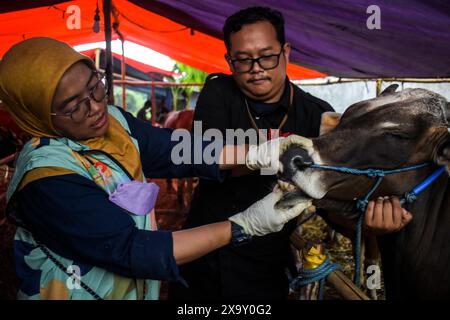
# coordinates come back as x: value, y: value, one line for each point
x: 294, y: 159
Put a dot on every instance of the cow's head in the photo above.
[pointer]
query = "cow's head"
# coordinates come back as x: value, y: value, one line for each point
x: 391, y: 131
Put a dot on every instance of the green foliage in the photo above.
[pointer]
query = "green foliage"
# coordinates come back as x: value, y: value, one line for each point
x: 187, y: 74
x: 135, y: 99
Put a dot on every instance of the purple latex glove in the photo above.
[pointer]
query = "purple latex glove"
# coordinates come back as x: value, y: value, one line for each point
x: 138, y: 198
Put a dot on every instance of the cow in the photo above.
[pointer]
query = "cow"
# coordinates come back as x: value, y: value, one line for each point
x: 11, y: 140
x: 179, y: 119
x: 182, y: 119
x: 394, y: 130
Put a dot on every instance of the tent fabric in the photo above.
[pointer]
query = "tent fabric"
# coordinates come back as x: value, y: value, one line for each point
x: 332, y: 36
x: 140, y: 67
x: 137, y: 24
x: 327, y: 36
x: 9, y: 6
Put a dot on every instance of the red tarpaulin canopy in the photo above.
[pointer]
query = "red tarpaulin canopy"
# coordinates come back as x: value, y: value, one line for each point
x: 131, y: 62
x: 136, y: 24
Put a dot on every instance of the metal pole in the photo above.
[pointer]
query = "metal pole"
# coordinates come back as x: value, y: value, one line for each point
x: 158, y: 83
x: 319, y: 82
x: 418, y: 80
x: 153, y: 105
x: 7, y: 159
x: 108, y: 54
x: 124, y: 91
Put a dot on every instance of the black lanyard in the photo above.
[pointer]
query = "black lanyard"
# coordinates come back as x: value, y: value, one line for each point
x: 283, y: 121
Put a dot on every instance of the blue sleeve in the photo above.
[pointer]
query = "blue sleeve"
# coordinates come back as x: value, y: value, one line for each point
x: 156, y: 148
x: 73, y: 217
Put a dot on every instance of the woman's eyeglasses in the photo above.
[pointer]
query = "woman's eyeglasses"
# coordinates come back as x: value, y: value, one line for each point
x: 82, y: 109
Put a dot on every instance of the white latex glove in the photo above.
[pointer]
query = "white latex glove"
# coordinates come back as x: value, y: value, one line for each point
x: 267, y: 154
x: 294, y: 139
x: 262, y: 218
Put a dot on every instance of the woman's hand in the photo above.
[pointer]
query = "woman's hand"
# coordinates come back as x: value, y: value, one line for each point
x: 259, y: 219
x: 262, y: 217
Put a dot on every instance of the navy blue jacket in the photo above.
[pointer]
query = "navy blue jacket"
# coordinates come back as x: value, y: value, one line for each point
x: 72, y: 216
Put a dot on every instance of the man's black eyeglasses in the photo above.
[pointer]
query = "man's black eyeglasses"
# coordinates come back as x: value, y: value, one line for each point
x: 266, y: 62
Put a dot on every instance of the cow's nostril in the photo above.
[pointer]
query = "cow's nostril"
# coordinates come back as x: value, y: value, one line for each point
x: 294, y: 159
x: 301, y: 163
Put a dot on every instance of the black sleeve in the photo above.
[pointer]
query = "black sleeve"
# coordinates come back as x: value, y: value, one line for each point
x: 322, y: 105
x: 211, y: 108
x: 156, y: 147
x: 313, y: 110
x: 73, y: 217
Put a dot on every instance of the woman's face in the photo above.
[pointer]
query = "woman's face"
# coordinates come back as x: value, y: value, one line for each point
x: 70, y: 107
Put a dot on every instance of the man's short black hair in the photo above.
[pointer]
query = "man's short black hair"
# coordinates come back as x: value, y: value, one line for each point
x: 251, y: 15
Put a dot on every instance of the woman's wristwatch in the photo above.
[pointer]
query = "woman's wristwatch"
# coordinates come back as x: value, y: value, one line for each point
x: 238, y: 235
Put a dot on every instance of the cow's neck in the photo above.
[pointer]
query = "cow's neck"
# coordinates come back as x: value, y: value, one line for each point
x: 419, y: 255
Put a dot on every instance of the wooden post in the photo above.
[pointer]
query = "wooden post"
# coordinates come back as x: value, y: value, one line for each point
x: 372, y: 258
x: 311, y: 291
x: 379, y: 83
x: 343, y: 285
x: 108, y: 54
x: 97, y: 58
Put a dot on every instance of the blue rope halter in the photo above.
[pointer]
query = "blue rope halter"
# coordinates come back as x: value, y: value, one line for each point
x: 361, y: 204
x: 307, y: 276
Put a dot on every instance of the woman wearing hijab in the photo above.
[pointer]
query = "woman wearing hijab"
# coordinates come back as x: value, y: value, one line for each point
x: 86, y: 228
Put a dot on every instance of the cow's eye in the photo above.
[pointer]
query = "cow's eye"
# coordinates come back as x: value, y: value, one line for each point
x: 397, y: 135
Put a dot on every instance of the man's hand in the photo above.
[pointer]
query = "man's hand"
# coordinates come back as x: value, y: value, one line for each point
x: 267, y: 154
x: 385, y: 215
x: 264, y: 156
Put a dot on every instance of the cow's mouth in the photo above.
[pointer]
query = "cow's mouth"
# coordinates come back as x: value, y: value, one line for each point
x: 292, y: 196
x: 286, y: 186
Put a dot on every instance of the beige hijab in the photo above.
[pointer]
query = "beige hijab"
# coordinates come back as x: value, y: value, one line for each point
x: 29, y: 75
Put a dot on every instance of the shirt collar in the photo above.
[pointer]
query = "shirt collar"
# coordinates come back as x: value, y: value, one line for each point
x: 261, y: 108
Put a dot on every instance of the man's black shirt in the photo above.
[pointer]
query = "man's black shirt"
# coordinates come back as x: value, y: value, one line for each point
x: 255, y: 270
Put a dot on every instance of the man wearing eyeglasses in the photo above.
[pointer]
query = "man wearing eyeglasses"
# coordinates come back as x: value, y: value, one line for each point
x: 258, y: 95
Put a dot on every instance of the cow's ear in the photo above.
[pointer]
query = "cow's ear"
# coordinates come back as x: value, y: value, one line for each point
x: 447, y: 112
x: 389, y: 90
x: 442, y: 155
x: 329, y: 121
